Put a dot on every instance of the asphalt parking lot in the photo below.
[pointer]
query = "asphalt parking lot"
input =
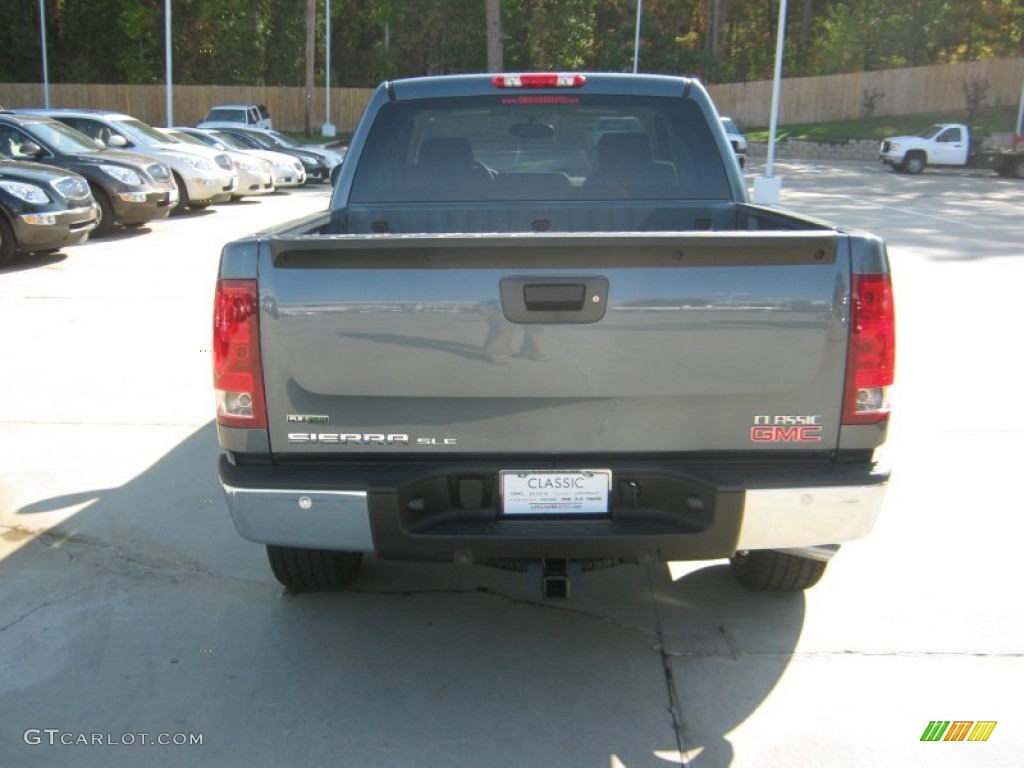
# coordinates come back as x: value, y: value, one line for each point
x: 134, y: 621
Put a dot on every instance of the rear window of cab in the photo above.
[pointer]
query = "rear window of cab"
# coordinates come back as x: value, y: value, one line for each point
x: 228, y: 114
x: 539, y: 147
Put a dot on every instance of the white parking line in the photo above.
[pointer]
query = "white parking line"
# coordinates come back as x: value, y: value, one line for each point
x: 946, y: 220
x: 860, y: 203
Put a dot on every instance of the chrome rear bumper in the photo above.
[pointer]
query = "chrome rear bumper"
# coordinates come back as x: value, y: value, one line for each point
x: 309, y: 519
x: 806, y: 521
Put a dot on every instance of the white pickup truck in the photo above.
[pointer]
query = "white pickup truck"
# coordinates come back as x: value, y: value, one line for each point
x: 947, y: 144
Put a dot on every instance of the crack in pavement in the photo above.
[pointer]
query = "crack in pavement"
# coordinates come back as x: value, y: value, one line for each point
x: 674, y: 706
x: 733, y: 650
x: 41, y: 606
x: 514, y: 600
x: 58, y: 541
x: 736, y: 655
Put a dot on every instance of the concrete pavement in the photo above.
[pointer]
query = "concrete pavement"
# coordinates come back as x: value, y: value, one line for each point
x: 130, y: 606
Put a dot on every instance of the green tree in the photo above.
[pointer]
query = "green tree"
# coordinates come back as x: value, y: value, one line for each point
x: 99, y: 41
x: 262, y: 41
x: 864, y: 35
x: 549, y: 34
x: 282, y: 33
x: 361, y: 49
x: 220, y: 41
x: 22, y: 59
x: 139, y: 56
x: 614, y: 24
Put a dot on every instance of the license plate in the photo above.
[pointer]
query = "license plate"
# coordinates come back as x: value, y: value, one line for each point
x: 547, y: 492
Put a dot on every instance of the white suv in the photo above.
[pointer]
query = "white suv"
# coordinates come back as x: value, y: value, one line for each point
x: 243, y: 115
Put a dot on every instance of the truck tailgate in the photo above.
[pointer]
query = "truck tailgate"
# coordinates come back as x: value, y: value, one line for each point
x: 554, y: 343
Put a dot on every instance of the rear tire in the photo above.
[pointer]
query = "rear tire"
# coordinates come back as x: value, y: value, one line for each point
x: 766, y: 570
x: 313, y: 570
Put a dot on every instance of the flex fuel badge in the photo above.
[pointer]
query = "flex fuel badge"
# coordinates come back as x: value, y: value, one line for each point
x: 783, y: 428
x: 303, y: 418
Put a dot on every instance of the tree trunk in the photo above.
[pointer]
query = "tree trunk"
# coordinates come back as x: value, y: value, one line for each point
x: 495, y: 41
x: 716, y: 18
x: 806, y: 20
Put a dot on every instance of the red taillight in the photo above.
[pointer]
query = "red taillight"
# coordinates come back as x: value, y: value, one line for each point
x: 237, y: 373
x: 872, y: 357
x: 539, y: 80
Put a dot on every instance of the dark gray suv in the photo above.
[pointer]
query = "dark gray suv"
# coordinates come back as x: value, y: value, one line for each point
x: 42, y: 209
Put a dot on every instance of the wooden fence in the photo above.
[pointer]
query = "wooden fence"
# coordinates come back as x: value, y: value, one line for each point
x: 191, y: 102
x: 840, y: 97
x: 802, y: 99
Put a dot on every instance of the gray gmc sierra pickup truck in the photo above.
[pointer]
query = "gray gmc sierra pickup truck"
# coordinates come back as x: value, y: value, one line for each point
x: 541, y: 328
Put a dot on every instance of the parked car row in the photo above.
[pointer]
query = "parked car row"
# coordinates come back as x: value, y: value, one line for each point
x: 129, y: 188
x: 320, y: 163
x: 249, y: 126
x: 287, y: 170
x: 67, y: 173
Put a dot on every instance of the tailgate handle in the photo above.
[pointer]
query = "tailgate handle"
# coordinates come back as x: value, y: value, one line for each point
x: 554, y: 298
